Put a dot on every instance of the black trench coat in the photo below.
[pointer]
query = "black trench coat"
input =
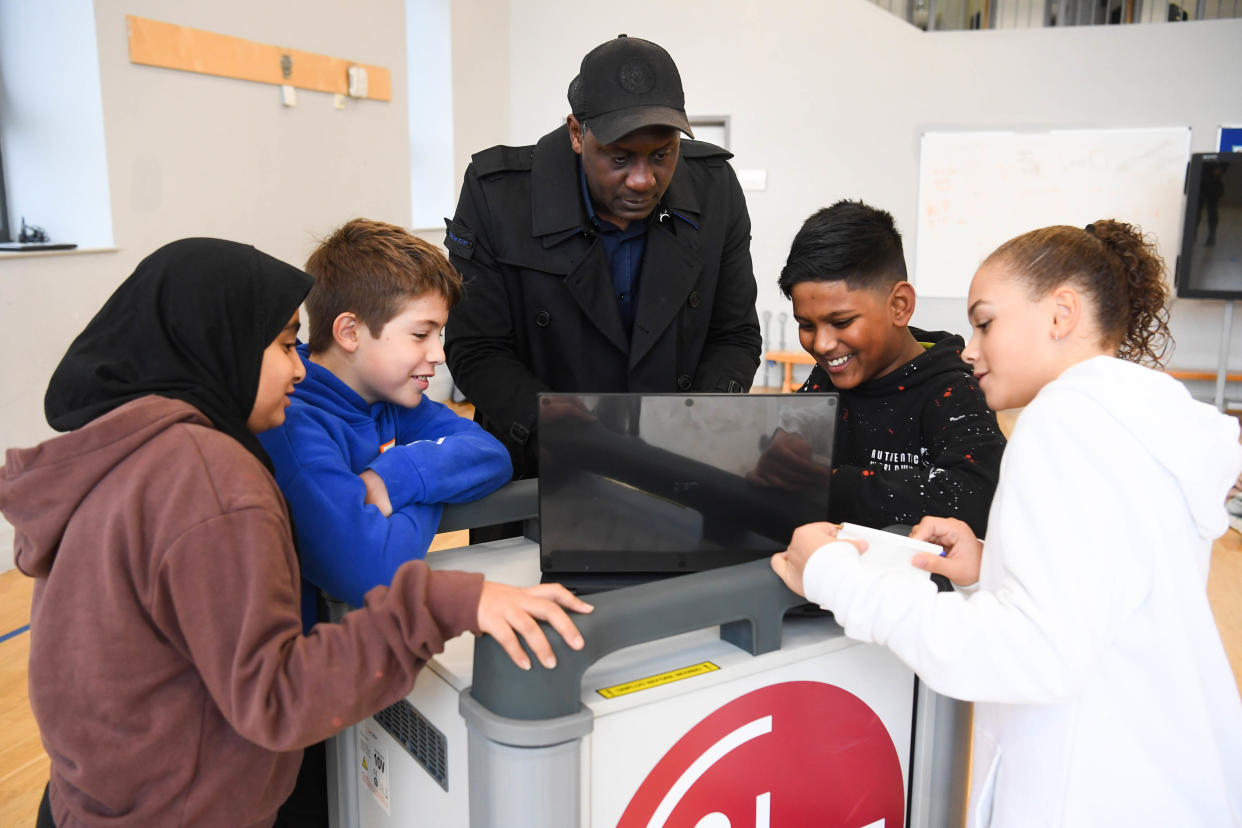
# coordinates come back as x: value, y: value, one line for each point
x: 538, y: 311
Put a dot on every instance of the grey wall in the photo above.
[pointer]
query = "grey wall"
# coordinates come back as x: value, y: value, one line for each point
x: 481, y: 79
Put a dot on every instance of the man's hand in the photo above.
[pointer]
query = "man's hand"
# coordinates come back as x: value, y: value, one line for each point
x: 806, y: 540
x: 506, y: 612
x: 787, y: 463
x: 964, y: 551
x: 377, y: 492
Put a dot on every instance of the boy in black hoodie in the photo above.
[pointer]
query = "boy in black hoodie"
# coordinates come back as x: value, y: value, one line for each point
x: 914, y: 435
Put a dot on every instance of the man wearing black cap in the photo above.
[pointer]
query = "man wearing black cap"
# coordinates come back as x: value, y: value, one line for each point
x: 610, y: 256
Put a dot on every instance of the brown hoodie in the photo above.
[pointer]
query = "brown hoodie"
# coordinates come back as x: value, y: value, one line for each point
x: 168, y: 672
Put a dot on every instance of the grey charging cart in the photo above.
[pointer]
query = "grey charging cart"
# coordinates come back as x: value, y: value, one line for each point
x: 484, y: 744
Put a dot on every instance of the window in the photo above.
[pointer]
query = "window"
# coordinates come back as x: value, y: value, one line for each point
x: 51, y: 122
x: 4, y: 206
x: 429, y: 66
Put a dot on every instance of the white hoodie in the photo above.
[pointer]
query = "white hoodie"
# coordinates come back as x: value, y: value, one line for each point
x: 1103, y: 693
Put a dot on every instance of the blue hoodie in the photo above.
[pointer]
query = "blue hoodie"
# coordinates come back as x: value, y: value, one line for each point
x: 427, y: 456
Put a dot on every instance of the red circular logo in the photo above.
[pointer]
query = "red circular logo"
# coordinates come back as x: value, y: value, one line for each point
x: 800, y: 753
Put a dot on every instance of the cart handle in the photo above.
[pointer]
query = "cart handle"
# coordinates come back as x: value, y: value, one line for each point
x: 747, y: 600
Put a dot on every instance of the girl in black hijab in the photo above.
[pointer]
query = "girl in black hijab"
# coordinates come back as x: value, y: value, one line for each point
x: 169, y: 674
x: 191, y: 323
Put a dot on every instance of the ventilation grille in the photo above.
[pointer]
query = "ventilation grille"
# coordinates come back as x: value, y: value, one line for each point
x: 420, y: 738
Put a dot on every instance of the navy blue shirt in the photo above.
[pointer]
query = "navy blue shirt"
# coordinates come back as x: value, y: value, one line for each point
x: 624, y: 250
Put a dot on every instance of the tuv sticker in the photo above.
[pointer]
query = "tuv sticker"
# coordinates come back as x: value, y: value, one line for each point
x: 373, y: 763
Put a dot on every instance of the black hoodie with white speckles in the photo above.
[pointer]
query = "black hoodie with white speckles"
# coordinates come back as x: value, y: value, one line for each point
x: 918, y: 441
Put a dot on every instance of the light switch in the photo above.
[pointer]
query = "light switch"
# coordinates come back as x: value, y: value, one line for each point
x: 288, y: 95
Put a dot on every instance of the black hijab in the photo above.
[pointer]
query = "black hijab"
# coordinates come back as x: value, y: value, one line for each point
x: 191, y: 323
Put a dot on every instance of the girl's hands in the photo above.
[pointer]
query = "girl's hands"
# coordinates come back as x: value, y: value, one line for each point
x: 505, y: 612
x: 964, y: 551
x: 791, y: 563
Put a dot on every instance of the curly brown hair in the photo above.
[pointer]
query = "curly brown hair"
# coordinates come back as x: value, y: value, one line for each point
x: 371, y: 268
x: 1115, y: 265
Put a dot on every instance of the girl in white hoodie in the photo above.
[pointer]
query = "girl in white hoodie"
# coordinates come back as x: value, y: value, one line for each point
x: 1083, y: 632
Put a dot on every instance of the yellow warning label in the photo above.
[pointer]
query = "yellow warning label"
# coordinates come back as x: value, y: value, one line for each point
x: 657, y: 680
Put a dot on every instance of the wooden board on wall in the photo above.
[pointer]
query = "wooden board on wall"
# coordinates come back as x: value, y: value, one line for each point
x: 154, y: 43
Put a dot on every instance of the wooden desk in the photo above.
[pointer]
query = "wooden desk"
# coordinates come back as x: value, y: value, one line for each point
x: 789, y: 359
x: 1206, y: 376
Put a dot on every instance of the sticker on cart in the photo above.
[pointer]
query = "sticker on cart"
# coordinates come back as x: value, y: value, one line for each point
x: 797, y: 753
x: 658, y: 680
x: 374, y: 763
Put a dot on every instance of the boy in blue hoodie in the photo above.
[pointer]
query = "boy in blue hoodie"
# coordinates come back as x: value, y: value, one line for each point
x: 365, y: 461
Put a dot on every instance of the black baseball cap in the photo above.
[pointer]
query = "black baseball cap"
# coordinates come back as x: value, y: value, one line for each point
x: 626, y: 84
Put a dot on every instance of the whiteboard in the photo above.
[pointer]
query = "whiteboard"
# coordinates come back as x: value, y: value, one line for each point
x: 980, y: 189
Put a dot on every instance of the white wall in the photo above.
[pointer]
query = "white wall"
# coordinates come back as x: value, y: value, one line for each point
x: 190, y: 154
x: 1089, y: 77
x: 831, y: 98
x: 481, y: 80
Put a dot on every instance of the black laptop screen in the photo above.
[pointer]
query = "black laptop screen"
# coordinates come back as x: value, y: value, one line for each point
x: 665, y: 483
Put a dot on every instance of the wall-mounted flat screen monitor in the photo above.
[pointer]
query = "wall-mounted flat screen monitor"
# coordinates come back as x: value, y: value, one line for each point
x: 1210, y: 264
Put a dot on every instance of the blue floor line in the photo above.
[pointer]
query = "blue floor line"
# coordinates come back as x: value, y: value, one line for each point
x: 15, y: 632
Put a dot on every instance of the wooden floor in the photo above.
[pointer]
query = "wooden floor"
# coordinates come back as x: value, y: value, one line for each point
x: 24, y: 765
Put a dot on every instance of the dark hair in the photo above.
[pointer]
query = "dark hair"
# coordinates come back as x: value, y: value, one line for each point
x: 1112, y: 263
x: 371, y: 268
x: 849, y: 240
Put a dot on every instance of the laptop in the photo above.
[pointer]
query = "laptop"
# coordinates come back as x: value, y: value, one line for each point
x: 636, y: 487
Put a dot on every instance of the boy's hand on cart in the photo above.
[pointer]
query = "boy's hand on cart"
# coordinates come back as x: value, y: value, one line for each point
x: 806, y: 541
x: 963, y: 551
x: 377, y: 492
x: 505, y: 612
